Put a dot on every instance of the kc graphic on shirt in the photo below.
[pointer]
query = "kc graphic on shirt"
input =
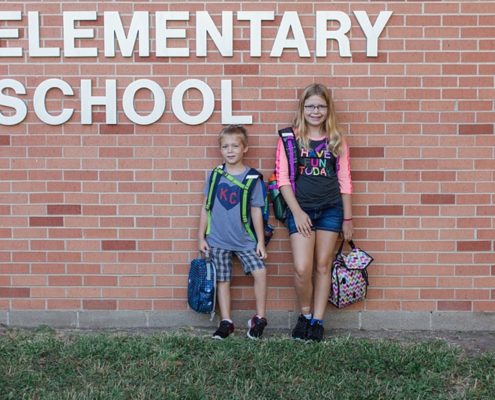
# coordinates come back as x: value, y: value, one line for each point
x: 228, y: 196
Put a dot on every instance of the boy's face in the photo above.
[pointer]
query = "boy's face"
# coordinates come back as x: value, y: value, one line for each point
x: 232, y: 149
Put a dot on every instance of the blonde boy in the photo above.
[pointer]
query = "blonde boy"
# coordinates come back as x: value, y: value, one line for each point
x: 223, y: 233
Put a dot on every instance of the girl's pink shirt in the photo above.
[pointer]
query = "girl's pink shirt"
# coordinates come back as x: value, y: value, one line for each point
x: 343, y: 167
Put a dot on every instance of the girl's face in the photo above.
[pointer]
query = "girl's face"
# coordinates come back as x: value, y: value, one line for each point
x: 315, y: 111
x: 232, y: 149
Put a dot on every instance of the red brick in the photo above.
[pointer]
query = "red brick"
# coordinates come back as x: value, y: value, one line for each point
x: 455, y: 306
x: 99, y: 304
x: 62, y: 304
x: 367, y: 175
x: 135, y: 304
x: 57, y: 209
x: 46, y: 221
x: 437, y: 199
x: 15, y: 292
x: 80, y: 175
x: 120, y: 129
x: 386, y: 210
x: 118, y: 245
x: 4, y: 140
x: 64, y: 280
x: 115, y: 152
x: 367, y: 152
x: 476, y: 129
x: 100, y: 280
x: 438, y: 176
x: 475, y: 245
x: 242, y: 69
x: 155, y: 245
x: 188, y: 175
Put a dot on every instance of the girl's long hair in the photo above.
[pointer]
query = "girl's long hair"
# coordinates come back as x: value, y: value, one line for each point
x: 329, y: 128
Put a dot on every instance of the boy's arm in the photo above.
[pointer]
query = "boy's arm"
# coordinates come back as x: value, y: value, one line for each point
x: 203, y: 221
x: 257, y: 218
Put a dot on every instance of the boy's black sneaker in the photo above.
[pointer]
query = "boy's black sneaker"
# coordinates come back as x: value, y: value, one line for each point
x: 300, y: 331
x: 315, y: 332
x: 256, y: 326
x: 224, y: 330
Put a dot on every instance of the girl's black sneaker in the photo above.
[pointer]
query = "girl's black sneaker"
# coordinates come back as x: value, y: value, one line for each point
x: 300, y: 331
x: 315, y: 332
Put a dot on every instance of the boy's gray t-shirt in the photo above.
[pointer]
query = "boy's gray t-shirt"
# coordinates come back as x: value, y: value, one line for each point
x: 227, y: 230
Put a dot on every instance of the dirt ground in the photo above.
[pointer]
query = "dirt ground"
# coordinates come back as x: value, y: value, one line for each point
x: 472, y: 343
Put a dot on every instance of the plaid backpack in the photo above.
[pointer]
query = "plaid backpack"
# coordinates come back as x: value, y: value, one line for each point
x: 201, y: 286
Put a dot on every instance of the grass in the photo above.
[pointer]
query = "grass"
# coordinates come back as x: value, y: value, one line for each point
x: 44, y: 364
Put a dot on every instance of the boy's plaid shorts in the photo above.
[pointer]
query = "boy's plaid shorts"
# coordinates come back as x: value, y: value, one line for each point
x: 223, y: 262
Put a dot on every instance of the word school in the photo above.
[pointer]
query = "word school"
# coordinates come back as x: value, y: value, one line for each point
x: 290, y: 34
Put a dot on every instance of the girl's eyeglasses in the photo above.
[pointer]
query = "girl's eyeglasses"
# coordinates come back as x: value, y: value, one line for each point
x: 314, y: 107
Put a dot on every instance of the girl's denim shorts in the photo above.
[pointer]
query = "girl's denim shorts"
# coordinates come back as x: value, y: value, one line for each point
x: 327, y: 219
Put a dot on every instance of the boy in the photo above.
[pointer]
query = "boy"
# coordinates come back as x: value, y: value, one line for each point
x: 223, y: 232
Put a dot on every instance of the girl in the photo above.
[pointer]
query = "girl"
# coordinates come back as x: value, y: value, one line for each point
x: 319, y: 208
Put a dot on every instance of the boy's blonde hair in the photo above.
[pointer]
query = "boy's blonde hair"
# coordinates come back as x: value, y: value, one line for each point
x: 330, y: 125
x: 234, y: 130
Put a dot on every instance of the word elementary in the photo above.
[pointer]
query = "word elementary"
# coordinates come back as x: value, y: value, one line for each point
x: 289, y: 33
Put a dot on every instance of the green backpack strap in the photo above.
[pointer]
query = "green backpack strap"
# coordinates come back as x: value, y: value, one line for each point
x: 249, y: 183
x: 212, y: 192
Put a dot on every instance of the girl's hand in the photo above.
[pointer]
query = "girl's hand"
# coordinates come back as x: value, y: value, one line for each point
x: 203, y: 246
x: 303, y: 223
x: 347, y: 230
x: 261, y: 251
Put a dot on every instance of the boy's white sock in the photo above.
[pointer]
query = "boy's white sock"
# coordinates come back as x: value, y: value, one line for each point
x: 308, y: 316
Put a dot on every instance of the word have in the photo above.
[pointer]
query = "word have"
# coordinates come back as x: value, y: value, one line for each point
x: 109, y: 102
x: 290, y: 34
x: 315, y: 161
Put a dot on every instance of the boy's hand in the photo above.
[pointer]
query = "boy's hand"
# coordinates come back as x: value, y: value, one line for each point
x: 261, y: 251
x: 203, y: 246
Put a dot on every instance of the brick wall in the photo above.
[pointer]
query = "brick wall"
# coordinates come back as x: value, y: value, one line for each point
x: 104, y: 217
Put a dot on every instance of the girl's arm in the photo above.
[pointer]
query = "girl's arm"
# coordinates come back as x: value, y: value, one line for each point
x: 302, y: 220
x: 345, y: 183
x: 347, y: 228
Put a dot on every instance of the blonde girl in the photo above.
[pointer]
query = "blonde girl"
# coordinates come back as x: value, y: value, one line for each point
x: 320, y: 206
